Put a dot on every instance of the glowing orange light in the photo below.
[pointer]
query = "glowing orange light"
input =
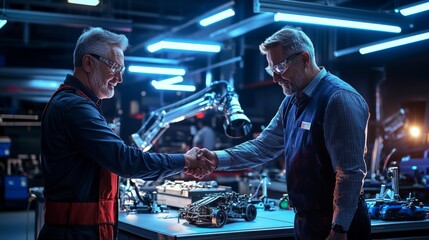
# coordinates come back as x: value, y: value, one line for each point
x: 415, y: 131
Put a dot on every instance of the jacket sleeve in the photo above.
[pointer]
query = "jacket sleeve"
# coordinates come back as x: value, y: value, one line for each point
x: 94, y: 138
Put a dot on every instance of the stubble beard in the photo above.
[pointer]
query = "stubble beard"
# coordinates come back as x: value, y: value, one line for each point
x: 101, y: 87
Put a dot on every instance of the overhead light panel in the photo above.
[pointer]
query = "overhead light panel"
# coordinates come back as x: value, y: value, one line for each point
x: 152, y: 60
x: 169, y: 81
x: 416, y: 37
x: 173, y: 87
x: 44, y: 84
x: 85, y: 2
x: 217, y: 17
x: 2, y: 22
x: 310, y: 13
x: 332, y: 22
x: 413, y: 8
x: 185, y: 46
x: 385, y: 44
x: 157, y: 70
x: 170, y: 84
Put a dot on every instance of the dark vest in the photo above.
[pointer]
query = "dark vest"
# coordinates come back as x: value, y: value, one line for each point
x: 310, y: 175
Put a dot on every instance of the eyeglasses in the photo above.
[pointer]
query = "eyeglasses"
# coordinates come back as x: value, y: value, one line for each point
x: 281, y: 67
x: 114, y: 66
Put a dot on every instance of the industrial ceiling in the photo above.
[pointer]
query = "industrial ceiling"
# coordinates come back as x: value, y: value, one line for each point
x: 38, y: 40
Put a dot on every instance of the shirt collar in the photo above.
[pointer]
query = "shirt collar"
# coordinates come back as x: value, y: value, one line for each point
x: 311, y: 87
x: 308, y: 91
x: 74, y: 82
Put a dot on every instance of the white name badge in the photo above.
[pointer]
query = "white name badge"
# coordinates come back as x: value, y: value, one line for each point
x: 305, y: 125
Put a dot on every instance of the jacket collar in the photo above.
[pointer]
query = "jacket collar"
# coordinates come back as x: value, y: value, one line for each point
x: 75, y: 83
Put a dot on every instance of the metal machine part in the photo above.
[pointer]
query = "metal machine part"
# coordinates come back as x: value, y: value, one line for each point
x: 387, y: 205
x: 219, y: 95
x: 394, y: 173
x: 133, y: 199
x: 216, y: 208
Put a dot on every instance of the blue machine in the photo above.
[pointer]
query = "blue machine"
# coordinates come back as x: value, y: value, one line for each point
x: 388, y: 206
x: 410, y: 209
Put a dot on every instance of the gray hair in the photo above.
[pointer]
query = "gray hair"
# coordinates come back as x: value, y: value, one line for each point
x: 98, y: 41
x: 292, y: 39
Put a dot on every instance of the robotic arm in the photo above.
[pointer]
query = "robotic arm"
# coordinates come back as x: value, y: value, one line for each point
x: 219, y: 95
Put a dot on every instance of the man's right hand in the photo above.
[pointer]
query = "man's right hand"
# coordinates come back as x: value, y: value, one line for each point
x: 198, y: 165
x: 210, y: 155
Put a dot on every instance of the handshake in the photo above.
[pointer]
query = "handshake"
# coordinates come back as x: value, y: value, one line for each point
x: 200, y: 162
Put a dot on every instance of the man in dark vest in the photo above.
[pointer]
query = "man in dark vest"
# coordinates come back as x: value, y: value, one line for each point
x: 321, y: 127
x: 82, y: 157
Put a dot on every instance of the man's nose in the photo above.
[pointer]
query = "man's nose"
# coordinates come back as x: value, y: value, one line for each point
x: 119, y: 78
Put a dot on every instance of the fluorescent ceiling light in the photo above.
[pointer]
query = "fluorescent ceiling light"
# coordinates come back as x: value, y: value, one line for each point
x: 335, y: 22
x: 85, y: 2
x: 157, y: 70
x: 2, y: 23
x: 170, y: 84
x: 384, y: 44
x: 217, y: 17
x: 173, y: 87
x: 187, y: 46
x: 44, y: 84
x: 303, y: 12
x: 151, y: 60
x: 414, y: 8
x: 169, y: 81
x: 395, y: 43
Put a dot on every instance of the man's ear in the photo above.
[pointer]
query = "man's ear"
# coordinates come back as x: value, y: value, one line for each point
x: 86, y: 63
x: 305, y: 58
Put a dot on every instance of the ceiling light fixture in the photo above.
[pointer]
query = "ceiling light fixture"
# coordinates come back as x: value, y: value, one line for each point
x: 385, y: 44
x: 85, y: 2
x: 184, y: 45
x: 169, y: 81
x: 173, y: 87
x: 2, y: 22
x: 310, y: 13
x: 325, y: 21
x: 152, y: 60
x: 413, y: 8
x: 217, y: 17
x: 157, y: 70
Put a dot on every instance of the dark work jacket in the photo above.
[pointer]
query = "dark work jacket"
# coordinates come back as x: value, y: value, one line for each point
x: 81, y: 160
x: 310, y: 175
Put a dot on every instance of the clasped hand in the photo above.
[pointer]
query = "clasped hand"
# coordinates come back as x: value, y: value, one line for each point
x: 200, y: 162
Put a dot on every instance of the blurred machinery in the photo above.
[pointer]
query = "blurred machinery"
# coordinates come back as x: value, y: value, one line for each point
x: 262, y: 201
x: 220, y: 96
x: 134, y: 199
x: 392, y: 128
x: 387, y: 205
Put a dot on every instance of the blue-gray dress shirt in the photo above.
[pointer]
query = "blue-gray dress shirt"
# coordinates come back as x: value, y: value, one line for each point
x: 339, y: 126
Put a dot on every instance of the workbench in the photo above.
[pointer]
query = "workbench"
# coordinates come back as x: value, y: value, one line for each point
x: 267, y: 225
